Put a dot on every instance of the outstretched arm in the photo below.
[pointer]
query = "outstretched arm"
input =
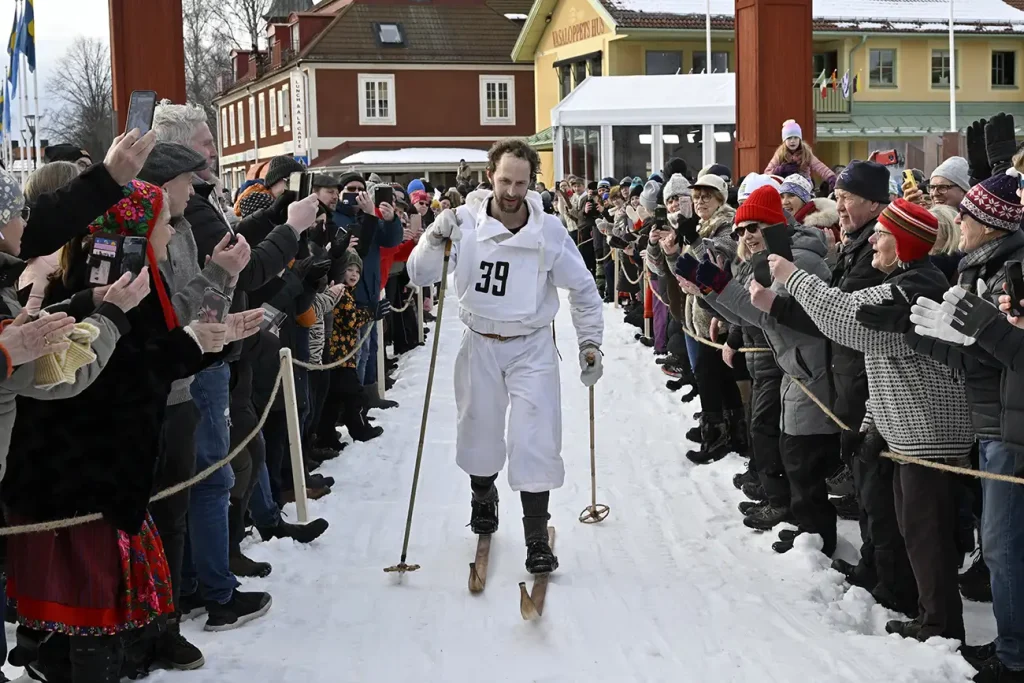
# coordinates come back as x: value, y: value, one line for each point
x: 570, y: 272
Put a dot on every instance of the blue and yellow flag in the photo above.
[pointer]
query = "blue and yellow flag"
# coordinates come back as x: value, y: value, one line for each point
x: 12, y: 50
x: 27, y: 34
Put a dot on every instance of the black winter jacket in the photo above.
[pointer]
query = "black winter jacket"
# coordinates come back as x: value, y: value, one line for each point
x: 1006, y: 344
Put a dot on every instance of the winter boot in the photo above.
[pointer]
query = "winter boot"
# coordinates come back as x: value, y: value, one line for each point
x: 789, y: 535
x: 754, y: 491
x: 302, y: 533
x: 994, y: 671
x: 856, y: 575
x: 670, y: 359
x: 693, y: 434
x: 767, y: 518
x: 484, y: 516
x: 242, y: 608
x: 846, y: 507
x: 739, y: 440
x: 747, y: 476
x: 240, y: 565
x: 714, y: 440
x: 904, y: 628
x: 174, y: 652
x: 749, y: 507
x: 841, y: 483
x: 977, y: 655
x: 375, y: 401
x: 539, y: 557
x: 976, y: 583
x: 191, y: 606
x: 677, y: 382
x: 96, y: 659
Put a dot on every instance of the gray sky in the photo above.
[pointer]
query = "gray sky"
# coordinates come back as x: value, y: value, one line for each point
x: 58, y: 23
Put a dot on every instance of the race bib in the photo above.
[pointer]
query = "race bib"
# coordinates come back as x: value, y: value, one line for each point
x: 498, y: 282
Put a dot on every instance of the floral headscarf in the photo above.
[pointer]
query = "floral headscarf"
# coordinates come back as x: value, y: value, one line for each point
x: 135, y: 216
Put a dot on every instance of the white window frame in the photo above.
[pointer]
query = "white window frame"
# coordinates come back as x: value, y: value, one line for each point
x: 252, y: 118
x: 241, y: 122
x: 294, y: 36
x: 509, y: 81
x: 390, y: 119
x: 231, y: 125
x: 273, y: 111
x: 224, y: 127
x: 261, y: 104
x: 284, y: 102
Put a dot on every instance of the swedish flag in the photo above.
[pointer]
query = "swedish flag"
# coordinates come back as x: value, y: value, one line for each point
x: 12, y: 43
x: 27, y: 34
x: 12, y: 50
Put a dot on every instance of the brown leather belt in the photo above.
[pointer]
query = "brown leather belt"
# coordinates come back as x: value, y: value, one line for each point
x: 498, y: 337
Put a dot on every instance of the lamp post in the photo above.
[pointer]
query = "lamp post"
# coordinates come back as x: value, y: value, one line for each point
x: 952, y: 73
x: 30, y: 121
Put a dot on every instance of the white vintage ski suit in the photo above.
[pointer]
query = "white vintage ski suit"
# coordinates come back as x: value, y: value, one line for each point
x: 508, y: 287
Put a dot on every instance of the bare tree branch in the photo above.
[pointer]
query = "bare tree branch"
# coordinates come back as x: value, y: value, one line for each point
x: 82, y: 86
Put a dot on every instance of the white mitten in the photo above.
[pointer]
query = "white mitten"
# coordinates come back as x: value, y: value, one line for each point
x: 931, y: 319
x: 590, y: 364
x: 445, y: 227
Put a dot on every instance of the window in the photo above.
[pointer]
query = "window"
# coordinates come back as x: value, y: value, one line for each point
x: 241, y: 123
x: 285, y: 104
x: 389, y: 34
x: 1004, y: 69
x: 274, y: 104
x: 661, y: 63
x: 497, y: 100
x: 377, y: 99
x: 262, y: 104
x: 579, y: 72
x: 564, y: 81
x: 252, y: 118
x: 595, y: 65
x: 824, y: 61
x: 231, y: 124
x: 294, y: 28
x: 883, y: 69
x: 224, y: 127
x: 940, y: 69
x: 719, y: 62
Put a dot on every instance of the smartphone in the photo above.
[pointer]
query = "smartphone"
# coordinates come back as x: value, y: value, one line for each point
x: 384, y: 194
x: 1015, y: 285
x: 272, y: 319
x: 762, y: 271
x: 660, y: 217
x: 215, y: 306
x: 349, y: 199
x: 776, y: 237
x: 133, y: 255
x: 301, y: 184
x: 140, y: 111
x: 909, y: 182
x: 710, y: 247
x: 102, y: 259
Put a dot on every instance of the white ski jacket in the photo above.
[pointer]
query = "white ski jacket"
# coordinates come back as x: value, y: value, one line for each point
x: 508, y: 284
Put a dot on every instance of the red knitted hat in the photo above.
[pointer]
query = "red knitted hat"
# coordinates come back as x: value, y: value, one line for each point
x: 913, y: 227
x: 764, y: 205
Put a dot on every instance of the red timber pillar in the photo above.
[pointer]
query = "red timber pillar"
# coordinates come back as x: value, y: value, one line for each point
x: 773, y: 77
x: 147, y: 51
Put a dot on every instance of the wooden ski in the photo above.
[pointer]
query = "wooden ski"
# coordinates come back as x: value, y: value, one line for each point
x: 531, y: 605
x: 478, y: 568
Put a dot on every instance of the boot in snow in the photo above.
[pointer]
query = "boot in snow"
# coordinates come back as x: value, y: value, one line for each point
x: 375, y: 401
x: 484, y: 516
x: 714, y: 440
x: 847, y: 508
x: 789, y: 535
x: 855, y: 575
x: 749, y: 507
x: 302, y: 533
x: 738, y: 438
x: 693, y: 434
x: 767, y: 518
x: 747, y: 476
x: 994, y: 671
x: 96, y: 659
x: 754, y: 491
x: 976, y: 583
x: 174, y: 652
x: 240, y: 565
x: 242, y: 608
x: 539, y: 557
x: 841, y: 483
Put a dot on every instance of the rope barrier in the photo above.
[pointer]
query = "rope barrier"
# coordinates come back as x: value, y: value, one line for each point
x: 405, y: 307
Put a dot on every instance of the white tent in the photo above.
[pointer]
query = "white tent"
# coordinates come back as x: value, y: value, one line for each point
x: 604, y: 102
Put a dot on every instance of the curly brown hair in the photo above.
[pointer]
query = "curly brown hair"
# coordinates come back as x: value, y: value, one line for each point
x: 518, y: 148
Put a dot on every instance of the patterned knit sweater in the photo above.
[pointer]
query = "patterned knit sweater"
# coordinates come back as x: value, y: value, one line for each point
x: 915, y: 403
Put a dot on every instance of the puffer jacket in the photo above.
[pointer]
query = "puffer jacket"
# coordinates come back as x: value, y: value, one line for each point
x: 985, y: 376
x: 802, y: 357
x: 718, y: 228
x: 1006, y: 344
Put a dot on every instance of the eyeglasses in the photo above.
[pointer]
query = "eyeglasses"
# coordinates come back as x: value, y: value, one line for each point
x: 353, y: 188
x: 882, y: 233
x: 940, y: 189
x: 26, y: 211
x: 753, y: 229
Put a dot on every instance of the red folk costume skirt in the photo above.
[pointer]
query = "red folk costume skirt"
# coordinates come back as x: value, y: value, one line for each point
x: 89, y: 580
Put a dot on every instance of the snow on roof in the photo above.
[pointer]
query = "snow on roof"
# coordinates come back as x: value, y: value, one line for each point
x: 975, y: 11
x: 649, y: 100
x: 413, y: 156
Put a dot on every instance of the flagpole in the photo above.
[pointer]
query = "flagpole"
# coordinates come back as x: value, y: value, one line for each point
x: 39, y: 120
x: 707, y: 37
x: 952, y: 73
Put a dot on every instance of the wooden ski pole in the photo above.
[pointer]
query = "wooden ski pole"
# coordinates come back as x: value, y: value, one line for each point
x: 595, y: 512
x: 402, y: 567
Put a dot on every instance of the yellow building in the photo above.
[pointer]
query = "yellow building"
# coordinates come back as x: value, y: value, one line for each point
x: 895, y: 57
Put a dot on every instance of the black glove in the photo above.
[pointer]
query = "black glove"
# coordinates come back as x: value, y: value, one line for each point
x: 311, y: 269
x: 686, y: 230
x: 1000, y: 142
x: 849, y: 445
x: 973, y: 314
x: 616, y: 242
x: 977, y: 155
x: 383, y: 309
x: 889, y: 316
x: 871, y: 446
x: 342, y: 238
x: 280, y: 207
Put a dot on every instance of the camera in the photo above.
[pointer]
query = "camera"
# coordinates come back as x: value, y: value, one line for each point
x: 114, y: 255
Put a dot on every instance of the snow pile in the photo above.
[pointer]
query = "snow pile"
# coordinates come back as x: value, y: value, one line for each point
x: 670, y: 587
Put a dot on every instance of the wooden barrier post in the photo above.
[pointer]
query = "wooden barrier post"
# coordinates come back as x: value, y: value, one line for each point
x: 291, y: 411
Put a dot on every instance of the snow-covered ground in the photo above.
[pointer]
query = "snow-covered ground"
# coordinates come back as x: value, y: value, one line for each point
x: 671, y: 587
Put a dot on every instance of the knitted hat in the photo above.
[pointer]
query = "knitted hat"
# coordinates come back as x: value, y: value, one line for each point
x: 798, y: 186
x: 635, y: 190
x: 12, y: 199
x: 649, y: 195
x: 65, y: 152
x: 324, y: 180
x: 416, y: 184
x: 752, y: 182
x: 676, y: 186
x: 713, y: 182
x: 721, y: 170
x: 763, y: 205
x: 606, y: 182
x: 280, y: 168
x: 254, y: 198
x: 791, y: 129
x: 954, y: 169
x: 419, y: 196
x: 675, y: 165
x: 350, y: 177
x: 168, y: 160
x: 351, y: 259
x: 994, y: 202
x: 135, y: 216
x: 626, y: 182
x: 913, y: 227
x: 374, y: 178
x: 867, y: 179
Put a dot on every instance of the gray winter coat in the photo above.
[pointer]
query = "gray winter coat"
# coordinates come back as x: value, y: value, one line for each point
x: 801, y: 356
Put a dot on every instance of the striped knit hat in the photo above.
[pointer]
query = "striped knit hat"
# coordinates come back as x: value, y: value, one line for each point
x: 913, y: 227
x: 995, y: 203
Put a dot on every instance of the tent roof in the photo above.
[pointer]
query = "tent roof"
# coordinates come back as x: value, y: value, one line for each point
x: 649, y: 100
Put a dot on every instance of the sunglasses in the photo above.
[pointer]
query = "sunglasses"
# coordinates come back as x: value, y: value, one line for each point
x: 351, y: 188
x: 741, y: 229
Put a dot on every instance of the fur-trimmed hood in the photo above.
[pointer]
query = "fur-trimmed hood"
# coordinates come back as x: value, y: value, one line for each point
x: 819, y: 213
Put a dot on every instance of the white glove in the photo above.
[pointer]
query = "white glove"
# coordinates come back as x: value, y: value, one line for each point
x: 445, y: 227
x: 931, y: 319
x: 590, y: 364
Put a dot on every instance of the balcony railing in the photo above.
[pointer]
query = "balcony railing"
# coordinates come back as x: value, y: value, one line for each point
x: 833, y: 105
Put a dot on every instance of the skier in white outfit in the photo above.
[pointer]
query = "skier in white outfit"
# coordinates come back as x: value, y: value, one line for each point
x: 510, y: 258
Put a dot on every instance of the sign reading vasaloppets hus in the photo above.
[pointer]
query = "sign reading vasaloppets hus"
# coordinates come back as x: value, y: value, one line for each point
x: 577, y: 32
